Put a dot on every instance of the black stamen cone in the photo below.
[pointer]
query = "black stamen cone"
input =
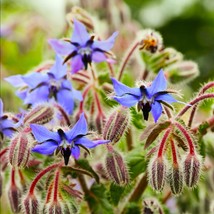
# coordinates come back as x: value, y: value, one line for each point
x: 66, y: 154
x: 146, y: 109
x: 86, y: 60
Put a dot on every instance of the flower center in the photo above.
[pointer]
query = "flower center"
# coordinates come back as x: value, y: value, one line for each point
x: 85, y: 51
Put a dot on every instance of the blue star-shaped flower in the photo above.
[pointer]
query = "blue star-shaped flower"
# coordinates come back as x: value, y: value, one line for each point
x: 68, y: 142
x: 39, y: 87
x: 7, y: 126
x: 82, y: 48
x: 148, y: 98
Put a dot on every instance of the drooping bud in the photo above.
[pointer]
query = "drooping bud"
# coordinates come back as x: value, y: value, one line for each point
x: 19, y: 150
x: 41, y: 114
x: 99, y: 122
x: 176, y: 179
x: 117, y: 124
x: 151, y: 205
x: 54, y: 207
x: 116, y: 168
x: 30, y: 205
x: 192, y: 169
x: 157, y: 171
x: 14, y: 195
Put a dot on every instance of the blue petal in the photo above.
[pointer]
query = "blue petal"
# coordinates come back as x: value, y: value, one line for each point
x: 61, y: 47
x: 121, y: 89
x: 76, y: 64
x: 38, y: 95
x: 1, y: 107
x: 159, y: 84
x: 46, y: 148
x: 127, y: 100
x: 107, y: 44
x: 75, y: 151
x: 58, y: 69
x: 156, y: 110
x: 166, y: 98
x: 98, y: 56
x: 66, y: 85
x: 88, y: 143
x: 34, y: 79
x: 42, y: 134
x: 16, y: 81
x: 80, y: 128
x: 8, y: 132
x: 80, y: 34
x: 77, y: 95
x: 22, y: 94
x: 65, y: 98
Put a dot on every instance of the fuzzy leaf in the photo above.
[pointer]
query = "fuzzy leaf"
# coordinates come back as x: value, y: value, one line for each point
x: 116, y: 192
x: 137, y: 119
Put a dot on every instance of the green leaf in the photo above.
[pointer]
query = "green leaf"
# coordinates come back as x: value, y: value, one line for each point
x: 98, y: 201
x: 116, y: 192
x: 132, y: 208
x: 137, y: 119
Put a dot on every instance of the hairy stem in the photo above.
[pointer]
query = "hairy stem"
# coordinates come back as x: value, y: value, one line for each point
x: 129, y: 140
x: 163, y: 143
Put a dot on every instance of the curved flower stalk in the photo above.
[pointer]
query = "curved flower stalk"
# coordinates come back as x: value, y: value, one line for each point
x: 53, y: 85
x: 82, y: 48
x: 68, y: 142
x: 147, y: 99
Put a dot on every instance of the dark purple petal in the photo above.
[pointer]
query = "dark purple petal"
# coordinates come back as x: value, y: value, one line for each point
x: 121, y: 89
x: 166, y: 98
x: 127, y: 100
x: 75, y: 151
x: 46, y: 148
x: 34, y: 79
x: 16, y: 81
x: 42, y: 134
x: 76, y: 64
x: 80, y: 34
x: 65, y: 99
x: 80, y: 128
x: 61, y: 47
x: 105, y: 45
x: 159, y: 84
x: 156, y: 111
x: 98, y: 56
x: 58, y: 69
x: 88, y: 143
x: 38, y: 95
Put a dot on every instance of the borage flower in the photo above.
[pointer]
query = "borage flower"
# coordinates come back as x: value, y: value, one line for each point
x: 39, y: 87
x: 68, y: 142
x: 147, y: 99
x: 82, y: 48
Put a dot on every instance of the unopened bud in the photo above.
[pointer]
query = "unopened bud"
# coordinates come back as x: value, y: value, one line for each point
x: 157, y: 173
x: 30, y: 205
x: 14, y: 196
x: 117, y: 124
x: 19, y: 150
x: 99, y: 121
x: 116, y: 168
x: 150, y: 40
x: 41, y: 114
x: 151, y: 205
x: 101, y: 170
x: 176, y: 179
x: 58, y: 207
x: 192, y: 169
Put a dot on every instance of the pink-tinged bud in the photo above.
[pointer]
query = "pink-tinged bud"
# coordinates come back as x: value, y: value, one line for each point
x: 19, y: 150
x: 30, y: 205
x: 14, y: 195
x: 117, y: 124
x: 157, y: 171
x: 60, y: 207
x: 176, y: 179
x: 116, y: 168
x: 192, y: 169
x: 41, y: 114
x: 151, y: 205
x: 99, y: 122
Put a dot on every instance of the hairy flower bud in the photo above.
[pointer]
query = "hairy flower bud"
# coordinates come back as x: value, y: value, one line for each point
x: 41, y: 114
x: 192, y: 169
x: 116, y: 168
x: 14, y: 195
x: 19, y: 150
x: 117, y: 124
x: 151, y: 205
x: 30, y: 205
x: 176, y: 179
x: 157, y: 173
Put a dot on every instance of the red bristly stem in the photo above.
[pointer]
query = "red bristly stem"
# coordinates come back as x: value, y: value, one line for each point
x: 22, y: 179
x: 163, y: 142
x: 13, y: 182
x: 202, y: 91
x: 40, y: 175
x: 3, y: 151
x: 193, y: 102
x: 56, y: 186
x: 126, y: 59
x: 174, y: 153
x: 49, y: 191
x: 210, y: 122
x: 111, y: 69
x: 85, y: 92
x: 188, y: 138
x: 99, y: 107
